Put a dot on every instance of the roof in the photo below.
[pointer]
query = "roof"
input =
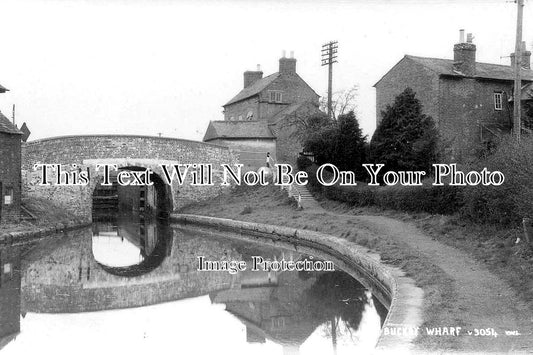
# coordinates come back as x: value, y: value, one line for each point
x: 237, y: 130
x: 3, y: 89
x: 6, y: 126
x: 254, y: 89
x: 483, y: 70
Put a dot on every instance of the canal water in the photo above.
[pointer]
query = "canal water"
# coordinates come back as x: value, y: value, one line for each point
x: 131, y: 284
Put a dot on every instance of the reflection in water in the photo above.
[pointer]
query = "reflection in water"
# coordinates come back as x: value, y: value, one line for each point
x: 9, y: 293
x: 261, y: 312
x: 288, y: 311
x: 129, y: 244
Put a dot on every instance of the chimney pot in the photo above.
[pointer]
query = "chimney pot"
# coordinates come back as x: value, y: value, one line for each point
x: 469, y: 38
x: 287, y: 65
x: 461, y: 36
x: 464, y: 56
x: 251, y: 77
x: 526, y: 58
x: 283, y: 54
x: 292, y: 53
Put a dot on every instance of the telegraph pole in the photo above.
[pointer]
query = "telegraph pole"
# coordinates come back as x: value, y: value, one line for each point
x: 329, y: 56
x: 517, y: 72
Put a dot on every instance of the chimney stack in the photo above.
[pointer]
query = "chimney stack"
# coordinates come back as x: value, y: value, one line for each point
x: 251, y: 77
x: 287, y: 65
x: 526, y: 57
x: 464, y: 55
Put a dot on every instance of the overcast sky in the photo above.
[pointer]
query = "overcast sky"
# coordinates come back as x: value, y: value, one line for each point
x: 149, y: 67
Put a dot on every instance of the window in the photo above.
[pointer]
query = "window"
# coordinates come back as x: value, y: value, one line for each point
x: 8, y: 197
x: 250, y: 116
x: 498, y: 99
x: 275, y: 96
x: 277, y: 322
x: 240, y: 117
x: 8, y: 271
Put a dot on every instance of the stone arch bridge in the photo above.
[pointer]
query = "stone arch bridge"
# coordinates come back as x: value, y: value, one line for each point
x: 126, y: 151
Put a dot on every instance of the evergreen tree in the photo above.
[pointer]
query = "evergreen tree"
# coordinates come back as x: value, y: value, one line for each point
x: 340, y: 143
x: 406, y: 139
x: 351, y: 143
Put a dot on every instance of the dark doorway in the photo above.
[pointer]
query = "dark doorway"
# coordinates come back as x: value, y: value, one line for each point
x: 153, y: 200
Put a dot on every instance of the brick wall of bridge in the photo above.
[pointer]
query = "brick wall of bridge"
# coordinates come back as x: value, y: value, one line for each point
x: 140, y: 151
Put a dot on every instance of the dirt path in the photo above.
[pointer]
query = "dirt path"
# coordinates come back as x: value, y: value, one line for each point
x: 482, y: 300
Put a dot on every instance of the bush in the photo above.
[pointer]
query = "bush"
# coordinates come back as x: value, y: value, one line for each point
x: 340, y: 143
x: 509, y: 203
x: 426, y: 198
x: 302, y: 163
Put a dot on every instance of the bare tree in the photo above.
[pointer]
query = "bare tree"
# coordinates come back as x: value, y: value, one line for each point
x: 343, y: 101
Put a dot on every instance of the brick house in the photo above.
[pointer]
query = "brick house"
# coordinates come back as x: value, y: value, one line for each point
x: 10, y: 173
x: 258, y: 119
x: 469, y: 101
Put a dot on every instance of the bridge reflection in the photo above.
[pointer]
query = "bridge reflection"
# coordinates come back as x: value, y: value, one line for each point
x: 130, y: 244
x: 286, y: 308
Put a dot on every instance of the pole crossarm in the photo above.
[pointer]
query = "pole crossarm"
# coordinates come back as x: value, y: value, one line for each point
x: 329, y: 57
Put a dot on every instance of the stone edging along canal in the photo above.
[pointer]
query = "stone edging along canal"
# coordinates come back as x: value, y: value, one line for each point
x: 34, y: 234
x: 396, y: 291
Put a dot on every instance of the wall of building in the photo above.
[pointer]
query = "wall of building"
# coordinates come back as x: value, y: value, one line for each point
x: 288, y: 147
x: 125, y: 151
x: 288, y: 144
x: 293, y: 89
x: 239, y: 110
x: 10, y: 176
x: 250, y: 152
x: 466, y: 104
x: 408, y: 73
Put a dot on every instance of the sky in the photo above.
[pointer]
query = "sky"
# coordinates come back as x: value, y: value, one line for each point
x: 166, y: 67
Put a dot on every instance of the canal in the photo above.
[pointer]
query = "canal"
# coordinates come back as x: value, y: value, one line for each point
x: 131, y: 284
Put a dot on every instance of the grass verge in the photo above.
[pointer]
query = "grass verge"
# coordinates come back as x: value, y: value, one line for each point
x: 46, y: 214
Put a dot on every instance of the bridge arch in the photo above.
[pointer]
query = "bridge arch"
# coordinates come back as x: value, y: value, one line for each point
x: 164, y: 192
x: 126, y: 151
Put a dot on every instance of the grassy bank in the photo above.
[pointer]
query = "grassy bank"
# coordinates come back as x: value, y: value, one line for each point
x: 46, y: 214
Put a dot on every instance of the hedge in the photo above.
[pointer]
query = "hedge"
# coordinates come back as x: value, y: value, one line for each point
x: 426, y: 198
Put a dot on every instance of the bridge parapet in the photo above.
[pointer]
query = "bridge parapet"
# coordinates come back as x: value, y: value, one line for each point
x: 125, y: 151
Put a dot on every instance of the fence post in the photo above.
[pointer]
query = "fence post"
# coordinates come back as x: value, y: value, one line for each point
x: 526, y: 222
